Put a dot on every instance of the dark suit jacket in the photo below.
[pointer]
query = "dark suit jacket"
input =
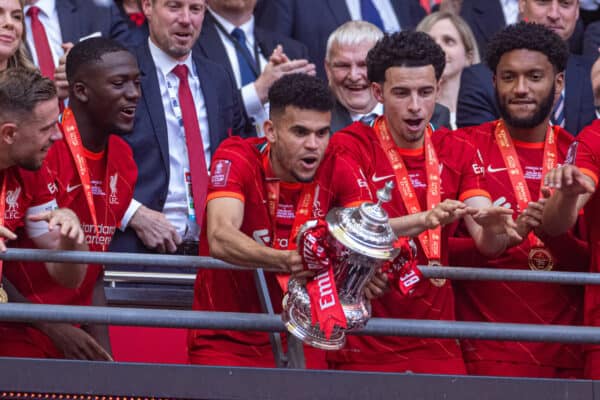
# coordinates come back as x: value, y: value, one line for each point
x: 477, y: 101
x: 340, y: 117
x: 149, y: 140
x: 485, y: 18
x: 312, y: 21
x: 79, y: 18
x: 210, y: 45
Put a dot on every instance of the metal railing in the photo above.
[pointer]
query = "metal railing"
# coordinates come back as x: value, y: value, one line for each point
x: 272, y: 323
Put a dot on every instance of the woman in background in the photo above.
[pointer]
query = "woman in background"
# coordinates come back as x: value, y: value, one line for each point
x: 455, y: 37
x: 13, y: 52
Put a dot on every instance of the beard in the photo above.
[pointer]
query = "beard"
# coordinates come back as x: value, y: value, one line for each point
x: 539, y: 114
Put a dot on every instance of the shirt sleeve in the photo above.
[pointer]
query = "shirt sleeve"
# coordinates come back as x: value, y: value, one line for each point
x: 585, y: 153
x: 229, y: 174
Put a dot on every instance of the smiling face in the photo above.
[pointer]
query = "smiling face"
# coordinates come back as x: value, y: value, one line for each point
x: 347, y: 75
x: 447, y: 36
x: 31, y: 139
x: 559, y: 15
x: 174, y: 24
x: 408, y: 95
x: 110, y: 88
x: 526, y: 87
x: 298, y: 140
x: 11, y: 29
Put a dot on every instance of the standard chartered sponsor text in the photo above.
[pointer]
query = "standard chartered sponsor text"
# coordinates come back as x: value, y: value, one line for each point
x: 105, y: 234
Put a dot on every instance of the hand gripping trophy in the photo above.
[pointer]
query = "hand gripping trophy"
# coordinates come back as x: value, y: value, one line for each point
x: 345, y: 250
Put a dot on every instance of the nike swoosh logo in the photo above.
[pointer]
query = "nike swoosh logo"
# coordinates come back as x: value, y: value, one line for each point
x: 492, y: 170
x: 375, y: 178
x: 71, y: 188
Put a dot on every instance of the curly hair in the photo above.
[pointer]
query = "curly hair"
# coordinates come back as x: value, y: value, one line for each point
x: 404, y: 49
x: 302, y: 91
x: 528, y: 36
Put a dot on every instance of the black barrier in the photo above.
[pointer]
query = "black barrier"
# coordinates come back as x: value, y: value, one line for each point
x: 221, y: 383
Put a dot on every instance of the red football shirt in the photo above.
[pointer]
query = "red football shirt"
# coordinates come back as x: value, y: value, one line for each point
x: 587, y: 158
x: 520, y: 302
x: 112, y: 174
x: 237, y: 172
x: 461, y: 178
x: 24, y: 195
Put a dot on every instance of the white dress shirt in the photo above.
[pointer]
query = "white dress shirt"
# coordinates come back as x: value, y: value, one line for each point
x: 175, y: 208
x: 386, y: 12
x: 510, y: 9
x: 49, y: 18
x: 254, y: 108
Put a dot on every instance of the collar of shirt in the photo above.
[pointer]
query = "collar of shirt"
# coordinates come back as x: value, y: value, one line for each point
x: 46, y: 6
x: 247, y: 27
x: 378, y: 109
x: 165, y: 63
x: 510, y: 9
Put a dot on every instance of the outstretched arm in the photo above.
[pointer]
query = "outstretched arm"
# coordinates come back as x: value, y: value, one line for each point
x: 226, y: 242
x: 64, y: 233
x: 573, y: 190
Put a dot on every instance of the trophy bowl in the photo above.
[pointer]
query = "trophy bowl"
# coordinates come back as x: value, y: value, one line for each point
x: 361, y: 240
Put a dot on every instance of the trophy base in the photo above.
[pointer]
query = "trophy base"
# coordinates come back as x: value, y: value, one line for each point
x: 300, y: 325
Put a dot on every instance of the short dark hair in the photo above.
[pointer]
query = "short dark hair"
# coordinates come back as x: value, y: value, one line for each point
x: 404, y: 49
x: 21, y: 90
x: 528, y: 36
x: 300, y: 90
x: 89, y: 51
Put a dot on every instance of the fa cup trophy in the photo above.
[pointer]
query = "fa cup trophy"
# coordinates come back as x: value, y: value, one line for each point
x: 357, y: 242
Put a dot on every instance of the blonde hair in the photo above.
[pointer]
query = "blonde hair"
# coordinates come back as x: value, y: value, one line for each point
x: 352, y: 33
x: 21, y: 57
x: 465, y: 33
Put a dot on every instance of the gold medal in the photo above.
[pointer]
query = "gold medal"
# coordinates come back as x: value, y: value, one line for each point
x: 540, y: 259
x: 3, y: 295
x: 437, y: 282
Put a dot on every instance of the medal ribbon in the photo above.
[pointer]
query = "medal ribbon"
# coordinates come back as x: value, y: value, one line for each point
x: 2, y: 214
x: 515, y: 172
x: 325, y: 305
x: 431, y: 240
x: 73, y: 139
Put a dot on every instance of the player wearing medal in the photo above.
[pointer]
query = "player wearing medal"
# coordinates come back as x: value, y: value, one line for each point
x: 528, y: 62
x: 261, y: 192
x: 28, y: 128
x: 95, y: 174
x: 438, y: 178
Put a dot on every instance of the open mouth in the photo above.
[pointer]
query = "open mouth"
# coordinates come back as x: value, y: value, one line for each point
x: 128, y: 112
x: 414, y: 123
x: 356, y: 88
x: 183, y: 35
x: 309, y: 162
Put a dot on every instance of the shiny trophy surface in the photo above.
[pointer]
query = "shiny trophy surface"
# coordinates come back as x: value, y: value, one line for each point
x: 362, y: 241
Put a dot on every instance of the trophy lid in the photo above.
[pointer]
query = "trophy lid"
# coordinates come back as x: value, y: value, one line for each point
x: 365, y: 229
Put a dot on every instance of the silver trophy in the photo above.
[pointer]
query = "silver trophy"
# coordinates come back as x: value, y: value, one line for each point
x: 363, y: 241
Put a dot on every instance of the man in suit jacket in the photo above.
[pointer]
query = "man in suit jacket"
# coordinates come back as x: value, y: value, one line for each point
x: 312, y: 21
x: 249, y: 60
x: 476, y: 99
x: 164, y: 219
x: 71, y: 20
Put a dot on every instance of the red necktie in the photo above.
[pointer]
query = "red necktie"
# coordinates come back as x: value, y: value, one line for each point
x: 193, y: 140
x: 42, y: 47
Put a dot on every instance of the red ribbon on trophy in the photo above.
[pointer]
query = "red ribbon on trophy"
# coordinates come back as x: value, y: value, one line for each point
x: 403, y: 271
x: 317, y: 255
